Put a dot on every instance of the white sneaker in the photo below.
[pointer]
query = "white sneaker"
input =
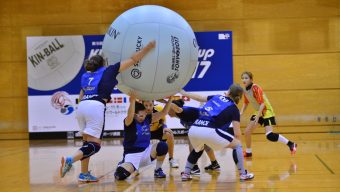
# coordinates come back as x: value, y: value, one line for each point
x: 173, y: 163
x: 246, y: 176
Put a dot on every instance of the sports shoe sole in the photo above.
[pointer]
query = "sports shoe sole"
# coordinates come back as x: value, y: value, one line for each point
x: 247, y: 179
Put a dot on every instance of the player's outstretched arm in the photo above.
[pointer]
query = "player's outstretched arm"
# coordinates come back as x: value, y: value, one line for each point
x: 194, y: 96
x: 131, y: 111
x: 136, y: 56
x: 158, y: 115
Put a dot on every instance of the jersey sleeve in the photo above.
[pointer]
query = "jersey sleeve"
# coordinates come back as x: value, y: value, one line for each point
x: 113, y: 70
x: 210, y: 97
x: 258, y: 94
x: 82, y: 82
x: 189, y: 114
x: 235, y: 114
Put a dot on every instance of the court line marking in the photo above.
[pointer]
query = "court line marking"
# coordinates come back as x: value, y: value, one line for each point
x: 324, y: 164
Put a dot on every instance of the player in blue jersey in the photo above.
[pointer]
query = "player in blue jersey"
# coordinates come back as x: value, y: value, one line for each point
x: 187, y: 116
x: 96, y: 87
x: 210, y: 128
x: 137, y: 149
x: 160, y: 131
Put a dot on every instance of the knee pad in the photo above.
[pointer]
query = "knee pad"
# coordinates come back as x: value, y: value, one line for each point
x: 272, y: 136
x: 89, y: 149
x: 194, y: 156
x: 121, y: 173
x: 162, y: 148
x: 235, y: 156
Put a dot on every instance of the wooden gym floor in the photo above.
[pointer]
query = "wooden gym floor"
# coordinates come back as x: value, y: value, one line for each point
x: 33, y: 166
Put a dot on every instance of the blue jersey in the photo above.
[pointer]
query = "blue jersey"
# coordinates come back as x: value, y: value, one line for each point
x: 188, y: 116
x: 99, y: 85
x: 137, y: 136
x: 218, y: 112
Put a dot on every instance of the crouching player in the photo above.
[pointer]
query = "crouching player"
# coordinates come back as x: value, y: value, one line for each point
x: 137, y: 149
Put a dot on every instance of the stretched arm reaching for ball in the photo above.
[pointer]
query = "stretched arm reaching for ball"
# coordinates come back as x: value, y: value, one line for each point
x: 136, y: 56
x: 193, y: 96
x: 131, y: 111
x: 158, y: 115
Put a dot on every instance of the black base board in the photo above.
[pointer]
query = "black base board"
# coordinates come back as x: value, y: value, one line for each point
x: 106, y: 134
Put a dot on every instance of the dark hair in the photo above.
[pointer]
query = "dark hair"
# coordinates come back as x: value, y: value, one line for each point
x: 139, y: 107
x: 178, y: 102
x: 151, y: 101
x: 250, y: 75
x: 94, y: 63
x: 235, y: 92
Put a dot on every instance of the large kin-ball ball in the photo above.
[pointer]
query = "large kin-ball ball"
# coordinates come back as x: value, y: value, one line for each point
x: 165, y: 69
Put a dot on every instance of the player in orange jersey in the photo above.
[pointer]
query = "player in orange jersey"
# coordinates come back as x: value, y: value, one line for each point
x: 264, y: 114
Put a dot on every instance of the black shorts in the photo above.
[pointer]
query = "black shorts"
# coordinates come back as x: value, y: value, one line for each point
x: 264, y: 122
x: 157, y: 134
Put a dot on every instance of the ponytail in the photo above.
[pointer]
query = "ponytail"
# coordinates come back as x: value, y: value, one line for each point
x: 94, y: 63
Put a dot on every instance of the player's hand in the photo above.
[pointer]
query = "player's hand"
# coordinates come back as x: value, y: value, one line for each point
x: 133, y: 95
x: 165, y: 130
x: 151, y: 44
x: 161, y: 100
x: 256, y: 120
x: 171, y: 98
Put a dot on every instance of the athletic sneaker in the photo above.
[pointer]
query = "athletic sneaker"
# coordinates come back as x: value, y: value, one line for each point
x: 245, y: 154
x: 213, y: 167
x: 186, y: 177
x: 66, y: 164
x: 293, y: 148
x: 246, y: 176
x: 195, y: 171
x: 173, y: 163
x: 159, y: 173
x: 87, y: 177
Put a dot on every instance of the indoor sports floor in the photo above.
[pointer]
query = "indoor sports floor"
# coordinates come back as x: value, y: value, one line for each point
x: 34, y: 166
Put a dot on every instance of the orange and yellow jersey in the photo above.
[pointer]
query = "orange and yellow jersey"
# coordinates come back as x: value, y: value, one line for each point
x: 161, y: 122
x: 256, y: 97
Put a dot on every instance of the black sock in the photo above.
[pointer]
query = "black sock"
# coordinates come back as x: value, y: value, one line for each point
x: 214, y: 162
x: 289, y: 143
x: 170, y: 158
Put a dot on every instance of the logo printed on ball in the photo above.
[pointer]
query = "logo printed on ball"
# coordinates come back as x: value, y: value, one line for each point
x: 138, y: 48
x: 136, y: 73
x: 172, y: 77
x: 112, y: 32
x: 176, y: 52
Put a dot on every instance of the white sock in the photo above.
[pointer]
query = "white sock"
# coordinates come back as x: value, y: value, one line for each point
x: 248, y: 150
x: 282, y: 139
x: 159, y: 164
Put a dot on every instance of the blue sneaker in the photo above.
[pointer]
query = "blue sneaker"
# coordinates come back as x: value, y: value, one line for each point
x: 159, y: 173
x: 66, y: 164
x: 87, y: 177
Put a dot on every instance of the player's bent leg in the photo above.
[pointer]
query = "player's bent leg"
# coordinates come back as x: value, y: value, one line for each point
x: 169, y: 136
x: 191, y: 162
x: 124, y: 170
x: 236, y: 145
x: 275, y: 137
x: 159, y: 152
x: 214, y: 166
x: 247, y: 134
